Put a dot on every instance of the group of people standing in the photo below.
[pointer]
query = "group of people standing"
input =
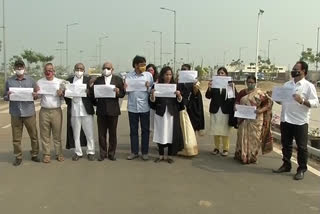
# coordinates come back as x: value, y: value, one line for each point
x: 162, y: 115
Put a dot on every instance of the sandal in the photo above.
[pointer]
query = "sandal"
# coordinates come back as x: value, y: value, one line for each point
x: 46, y: 159
x: 60, y: 158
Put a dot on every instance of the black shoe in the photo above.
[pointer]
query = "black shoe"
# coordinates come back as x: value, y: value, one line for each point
x: 36, y: 159
x: 282, y: 169
x: 101, y: 159
x: 76, y: 157
x: 299, y: 175
x: 90, y: 157
x: 17, y: 162
x: 157, y: 160
x: 171, y: 161
x: 112, y: 158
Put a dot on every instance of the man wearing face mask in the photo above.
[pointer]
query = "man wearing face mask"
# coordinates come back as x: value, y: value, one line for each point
x: 139, y: 109
x: 22, y: 113
x: 108, y: 111
x: 50, y: 115
x: 80, y: 115
x: 295, y: 117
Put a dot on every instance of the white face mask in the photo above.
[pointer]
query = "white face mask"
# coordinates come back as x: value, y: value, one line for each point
x: 79, y: 74
x: 106, y: 72
x: 19, y: 72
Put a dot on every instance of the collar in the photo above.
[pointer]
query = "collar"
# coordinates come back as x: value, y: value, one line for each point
x: 135, y: 73
x: 300, y: 82
x: 24, y: 77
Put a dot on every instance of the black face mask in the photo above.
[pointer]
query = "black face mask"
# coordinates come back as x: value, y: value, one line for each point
x: 295, y: 73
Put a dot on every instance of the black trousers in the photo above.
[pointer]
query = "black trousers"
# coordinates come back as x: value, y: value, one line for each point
x: 107, y: 124
x: 300, y: 134
x: 162, y: 146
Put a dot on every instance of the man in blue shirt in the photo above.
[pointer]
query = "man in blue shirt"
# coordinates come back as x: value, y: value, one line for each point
x: 138, y: 109
x: 22, y: 113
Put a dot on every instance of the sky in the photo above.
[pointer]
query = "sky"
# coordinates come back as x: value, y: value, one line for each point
x: 213, y: 27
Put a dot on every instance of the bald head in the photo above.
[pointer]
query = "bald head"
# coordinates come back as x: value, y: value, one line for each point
x: 107, y: 65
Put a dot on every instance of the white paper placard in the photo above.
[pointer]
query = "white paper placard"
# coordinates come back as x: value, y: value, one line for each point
x: 188, y: 76
x: 20, y: 94
x: 282, y: 94
x: 136, y: 85
x: 76, y: 90
x: 48, y: 87
x: 220, y: 81
x: 246, y: 112
x: 165, y: 90
x: 104, y: 91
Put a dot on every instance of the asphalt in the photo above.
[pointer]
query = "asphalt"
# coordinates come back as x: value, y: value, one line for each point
x: 203, y: 184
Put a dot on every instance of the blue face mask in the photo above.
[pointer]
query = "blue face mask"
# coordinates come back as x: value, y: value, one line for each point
x: 251, y: 86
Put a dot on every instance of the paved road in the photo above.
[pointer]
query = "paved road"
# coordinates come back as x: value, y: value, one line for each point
x: 204, y: 184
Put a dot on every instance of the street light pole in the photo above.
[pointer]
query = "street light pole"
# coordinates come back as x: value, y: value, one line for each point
x: 269, y: 41
x: 240, y: 51
x: 174, y: 37
x: 100, y: 46
x: 317, y: 54
x: 302, y: 45
x: 155, y: 31
x: 258, y: 42
x: 60, y: 49
x: 4, y: 42
x: 67, y: 44
x: 224, y: 58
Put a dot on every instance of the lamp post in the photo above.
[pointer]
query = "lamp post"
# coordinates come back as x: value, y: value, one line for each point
x: 224, y: 57
x: 258, y: 42
x: 302, y: 45
x: 174, y: 36
x: 269, y: 41
x: 317, y: 54
x: 240, y: 51
x: 155, y: 31
x: 100, y: 46
x: 67, y: 43
x: 60, y: 49
x: 4, y: 41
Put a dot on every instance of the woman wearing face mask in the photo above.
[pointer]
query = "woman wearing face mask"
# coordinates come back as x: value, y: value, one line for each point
x: 249, y: 138
x: 167, y: 130
x: 221, y: 107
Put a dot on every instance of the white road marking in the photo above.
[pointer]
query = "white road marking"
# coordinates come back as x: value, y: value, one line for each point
x: 124, y: 105
x: 310, y: 168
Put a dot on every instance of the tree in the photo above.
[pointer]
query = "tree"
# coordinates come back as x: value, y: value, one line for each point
x: 30, y: 56
x: 309, y: 57
x: 44, y: 59
x: 202, y: 72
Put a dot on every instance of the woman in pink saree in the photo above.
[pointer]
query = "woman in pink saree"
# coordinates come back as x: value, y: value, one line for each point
x: 254, y: 134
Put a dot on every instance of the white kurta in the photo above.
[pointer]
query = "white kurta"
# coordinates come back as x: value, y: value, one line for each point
x: 163, y: 128
x: 219, y: 124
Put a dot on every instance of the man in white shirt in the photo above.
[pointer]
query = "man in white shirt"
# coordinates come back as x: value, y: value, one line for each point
x: 82, y: 112
x: 50, y: 115
x: 295, y: 119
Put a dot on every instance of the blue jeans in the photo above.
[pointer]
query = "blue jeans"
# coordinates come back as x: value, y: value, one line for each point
x: 145, y: 132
